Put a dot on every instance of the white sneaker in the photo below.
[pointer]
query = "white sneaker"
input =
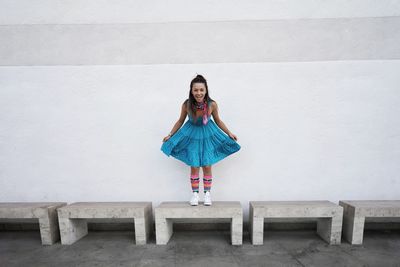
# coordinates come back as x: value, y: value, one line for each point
x: 207, y: 199
x: 194, y: 201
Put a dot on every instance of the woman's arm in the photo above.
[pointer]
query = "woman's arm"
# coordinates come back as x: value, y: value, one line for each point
x: 179, y: 123
x: 219, y: 122
x: 181, y: 119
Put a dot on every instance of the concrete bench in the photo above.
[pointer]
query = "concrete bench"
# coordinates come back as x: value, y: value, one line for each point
x: 73, y: 223
x: 356, y: 211
x: 329, y: 217
x: 45, y: 212
x: 166, y: 212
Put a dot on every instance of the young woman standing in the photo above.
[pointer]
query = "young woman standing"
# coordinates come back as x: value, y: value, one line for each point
x: 200, y: 142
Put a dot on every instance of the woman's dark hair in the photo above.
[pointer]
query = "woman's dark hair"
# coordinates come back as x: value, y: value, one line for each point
x: 192, y: 101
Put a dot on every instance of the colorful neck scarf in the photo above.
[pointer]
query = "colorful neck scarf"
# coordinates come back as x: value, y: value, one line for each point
x: 203, y: 106
x: 200, y: 105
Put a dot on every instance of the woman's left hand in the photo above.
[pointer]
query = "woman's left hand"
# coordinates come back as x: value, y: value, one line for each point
x: 231, y: 135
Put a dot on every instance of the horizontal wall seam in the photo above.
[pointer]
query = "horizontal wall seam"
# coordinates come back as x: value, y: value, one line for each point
x: 198, y: 43
x: 204, y: 63
x: 200, y: 21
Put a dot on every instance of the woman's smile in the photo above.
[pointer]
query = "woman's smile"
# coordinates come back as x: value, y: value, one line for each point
x: 199, y: 98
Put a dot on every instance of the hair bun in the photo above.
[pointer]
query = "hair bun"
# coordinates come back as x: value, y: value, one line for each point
x: 200, y: 76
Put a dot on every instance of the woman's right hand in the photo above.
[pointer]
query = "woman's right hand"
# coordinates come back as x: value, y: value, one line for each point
x: 166, y: 138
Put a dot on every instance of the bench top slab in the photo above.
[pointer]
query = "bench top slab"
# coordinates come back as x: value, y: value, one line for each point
x: 216, y: 204
x: 372, y: 208
x: 373, y: 203
x: 219, y: 209
x: 25, y: 210
x: 294, y: 209
x: 88, y: 210
x: 102, y: 205
x: 29, y: 205
x: 300, y: 204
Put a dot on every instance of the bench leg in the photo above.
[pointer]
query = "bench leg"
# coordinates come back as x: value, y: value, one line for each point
x: 143, y: 226
x: 141, y: 231
x: 353, y: 226
x: 354, y: 230
x: 330, y: 229
x: 257, y: 230
x: 48, y: 225
x: 164, y: 230
x: 72, y: 230
x: 237, y: 230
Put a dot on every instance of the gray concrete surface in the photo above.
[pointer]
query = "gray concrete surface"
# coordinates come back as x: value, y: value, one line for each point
x: 221, y: 42
x: 200, y: 248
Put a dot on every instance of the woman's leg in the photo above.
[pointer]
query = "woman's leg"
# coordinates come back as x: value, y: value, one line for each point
x: 207, y: 181
x: 194, y: 178
x: 194, y: 181
x: 207, y: 178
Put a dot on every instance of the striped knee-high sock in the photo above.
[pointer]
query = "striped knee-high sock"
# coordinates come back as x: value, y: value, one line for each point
x: 207, y: 181
x: 194, y: 180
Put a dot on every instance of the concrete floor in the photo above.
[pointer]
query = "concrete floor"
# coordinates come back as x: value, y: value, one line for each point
x: 200, y: 248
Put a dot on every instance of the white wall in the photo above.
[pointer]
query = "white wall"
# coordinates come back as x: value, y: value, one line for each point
x: 129, y: 11
x: 312, y: 96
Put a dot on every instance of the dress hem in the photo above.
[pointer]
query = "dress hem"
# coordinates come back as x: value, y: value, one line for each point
x: 193, y: 165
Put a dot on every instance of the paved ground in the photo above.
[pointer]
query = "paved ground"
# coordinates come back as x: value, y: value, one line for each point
x: 200, y: 248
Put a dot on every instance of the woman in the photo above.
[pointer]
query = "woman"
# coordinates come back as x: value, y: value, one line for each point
x: 200, y: 142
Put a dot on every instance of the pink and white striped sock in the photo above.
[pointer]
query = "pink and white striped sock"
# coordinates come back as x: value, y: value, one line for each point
x: 207, y: 182
x: 194, y: 181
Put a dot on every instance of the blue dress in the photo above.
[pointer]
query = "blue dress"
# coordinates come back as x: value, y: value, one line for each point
x: 199, y: 145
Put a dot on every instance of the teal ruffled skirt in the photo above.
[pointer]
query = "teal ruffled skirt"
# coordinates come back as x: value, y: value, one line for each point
x: 199, y: 145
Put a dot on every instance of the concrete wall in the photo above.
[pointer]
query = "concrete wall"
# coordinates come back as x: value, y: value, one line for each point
x: 88, y: 91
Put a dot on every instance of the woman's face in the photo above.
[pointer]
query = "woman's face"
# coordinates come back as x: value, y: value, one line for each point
x: 199, y: 91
